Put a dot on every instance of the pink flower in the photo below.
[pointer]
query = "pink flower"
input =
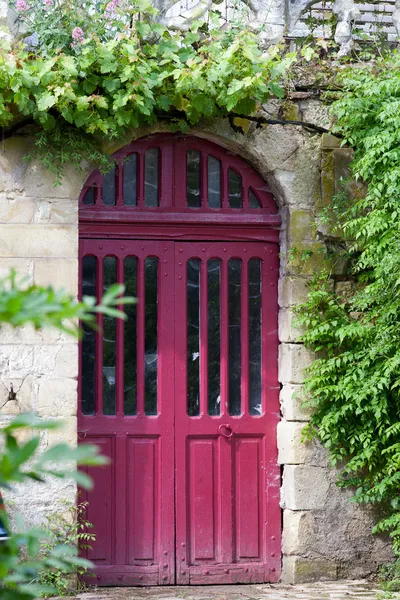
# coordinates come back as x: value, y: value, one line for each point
x: 77, y: 35
x: 48, y: 3
x: 110, y: 8
x: 21, y: 6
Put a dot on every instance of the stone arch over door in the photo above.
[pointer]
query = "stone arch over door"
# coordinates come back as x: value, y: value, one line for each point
x: 184, y: 397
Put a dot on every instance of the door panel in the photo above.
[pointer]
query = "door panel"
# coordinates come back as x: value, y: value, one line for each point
x: 226, y: 399
x: 125, y: 391
x: 183, y: 399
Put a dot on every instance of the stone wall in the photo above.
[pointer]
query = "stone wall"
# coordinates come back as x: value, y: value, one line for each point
x: 324, y: 535
x: 39, y: 239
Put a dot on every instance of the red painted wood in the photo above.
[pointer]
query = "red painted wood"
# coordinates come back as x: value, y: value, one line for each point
x: 237, y: 515
x: 185, y: 499
x: 132, y: 503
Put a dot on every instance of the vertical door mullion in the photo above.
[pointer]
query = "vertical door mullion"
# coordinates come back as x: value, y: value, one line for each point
x: 181, y: 415
x: 140, y: 328
x: 203, y: 345
x: 99, y: 338
x: 244, y: 337
x: 224, y: 339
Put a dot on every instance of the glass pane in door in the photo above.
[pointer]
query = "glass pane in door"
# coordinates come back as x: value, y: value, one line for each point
x: 151, y: 334
x: 193, y: 337
x: 234, y: 320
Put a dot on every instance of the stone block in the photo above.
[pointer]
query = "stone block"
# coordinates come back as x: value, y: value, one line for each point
x: 16, y: 210
x: 345, y: 290
x: 298, y: 532
x: 293, y: 360
x: 327, y: 179
x: 57, y: 397
x: 314, y: 111
x: 292, y: 291
x: 296, y: 569
x: 66, y: 364
x: 304, y: 487
x: 289, y: 329
x: 301, y: 226
x: 329, y: 141
x: 22, y: 266
x: 292, y: 408
x: 58, y: 272
x: 62, y: 211
x: 44, y: 362
x: 291, y: 449
x: 36, y: 241
x: 68, y: 432
x: 16, y: 361
x: 308, y: 258
x: 298, y: 180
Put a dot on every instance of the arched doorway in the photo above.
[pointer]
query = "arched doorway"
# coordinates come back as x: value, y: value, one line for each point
x: 183, y: 396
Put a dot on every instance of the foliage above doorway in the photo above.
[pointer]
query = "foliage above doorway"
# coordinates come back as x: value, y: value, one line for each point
x: 88, y: 74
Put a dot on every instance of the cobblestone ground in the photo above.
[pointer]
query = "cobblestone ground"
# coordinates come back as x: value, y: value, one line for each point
x: 337, y: 590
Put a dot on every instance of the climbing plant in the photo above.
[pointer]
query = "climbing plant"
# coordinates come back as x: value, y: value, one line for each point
x: 354, y: 384
x: 89, y: 72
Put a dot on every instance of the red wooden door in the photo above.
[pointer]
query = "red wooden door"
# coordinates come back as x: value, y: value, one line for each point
x: 183, y: 396
x: 127, y: 409
x: 227, y: 478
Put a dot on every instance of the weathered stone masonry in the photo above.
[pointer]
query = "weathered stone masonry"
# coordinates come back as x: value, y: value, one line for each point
x: 324, y: 536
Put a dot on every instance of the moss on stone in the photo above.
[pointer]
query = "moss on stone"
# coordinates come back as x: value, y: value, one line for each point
x: 309, y: 259
x: 327, y: 180
x: 301, y: 226
x: 291, y: 111
x: 314, y: 570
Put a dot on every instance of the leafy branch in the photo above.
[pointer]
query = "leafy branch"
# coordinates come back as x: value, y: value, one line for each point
x: 354, y: 385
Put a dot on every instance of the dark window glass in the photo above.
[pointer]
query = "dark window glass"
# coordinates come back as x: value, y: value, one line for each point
x: 109, y: 342
x: 214, y: 182
x: 130, y: 180
x: 214, y: 336
x: 130, y: 337
x: 89, y: 264
x: 234, y: 285
x: 253, y: 200
x: 88, y: 198
x: 193, y: 194
x: 234, y: 189
x: 108, y: 191
x: 193, y: 337
x: 151, y: 332
x: 151, y: 177
x: 255, y: 336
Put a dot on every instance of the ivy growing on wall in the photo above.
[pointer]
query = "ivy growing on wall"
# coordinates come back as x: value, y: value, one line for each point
x: 354, y: 385
x: 89, y: 72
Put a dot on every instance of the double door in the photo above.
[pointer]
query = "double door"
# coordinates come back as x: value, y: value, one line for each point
x: 183, y: 398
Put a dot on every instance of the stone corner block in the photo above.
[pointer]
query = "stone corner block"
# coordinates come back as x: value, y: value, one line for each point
x: 292, y: 291
x: 298, y: 533
x: 296, y: 569
x: 289, y: 329
x: 301, y: 226
x: 293, y: 360
x: 304, y: 487
x: 292, y: 403
x: 291, y: 449
x: 329, y: 141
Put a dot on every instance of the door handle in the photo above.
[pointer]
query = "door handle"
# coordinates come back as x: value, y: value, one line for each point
x: 225, y: 430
